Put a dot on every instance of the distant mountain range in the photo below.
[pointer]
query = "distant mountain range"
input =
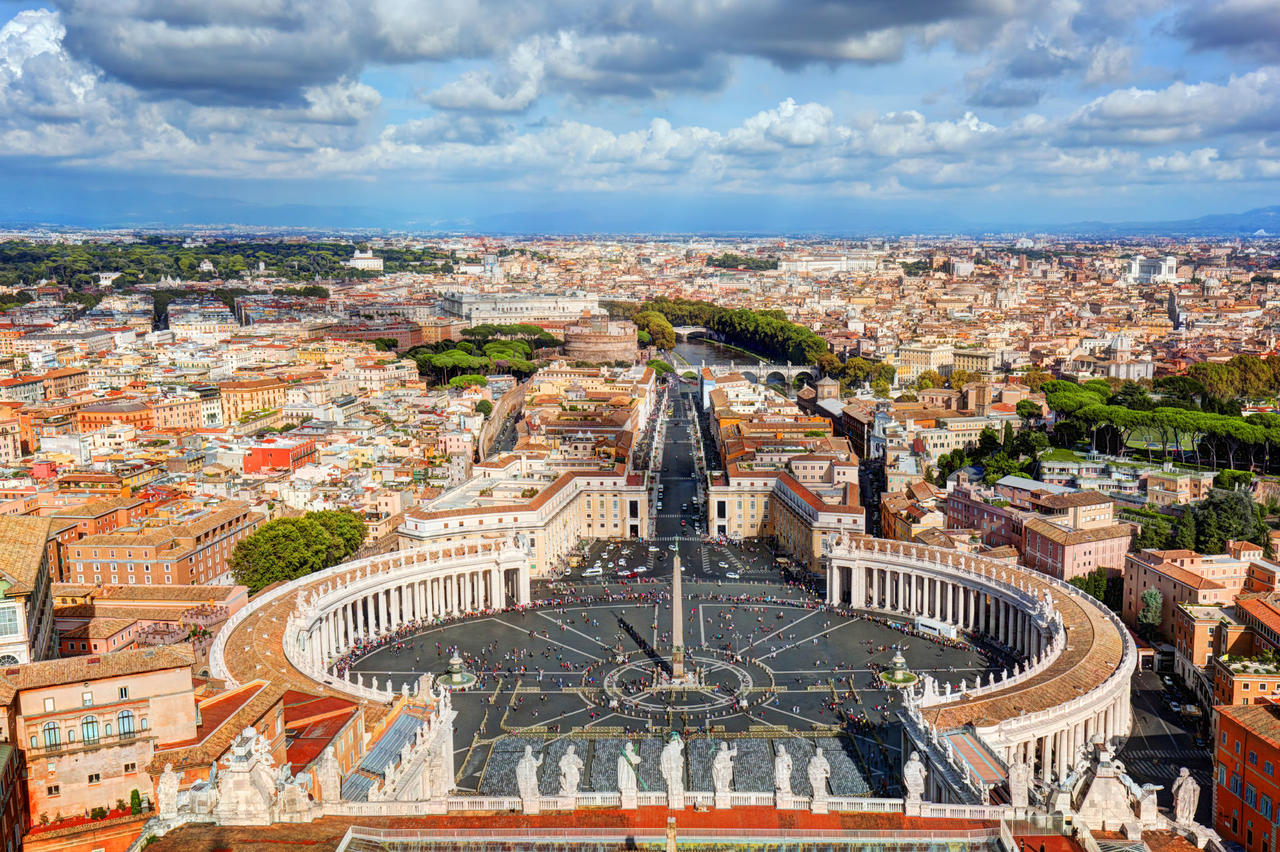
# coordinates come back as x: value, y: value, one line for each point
x: 1263, y: 221
x: 71, y: 206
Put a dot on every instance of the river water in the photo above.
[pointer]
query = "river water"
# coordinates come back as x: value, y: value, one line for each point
x: 699, y: 351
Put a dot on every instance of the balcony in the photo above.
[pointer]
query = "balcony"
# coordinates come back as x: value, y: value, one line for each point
x: 83, y: 746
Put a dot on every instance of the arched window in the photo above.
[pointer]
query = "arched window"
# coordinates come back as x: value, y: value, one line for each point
x: 89, y: 729
x: 52, y: 739
x: 106, y: 730
x: 125, y: 720
x: 8, y: 660
x: 71, y: 735
x: 144, y: 723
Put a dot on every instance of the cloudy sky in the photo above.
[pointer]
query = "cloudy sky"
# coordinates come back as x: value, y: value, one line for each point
x: 784, y: 115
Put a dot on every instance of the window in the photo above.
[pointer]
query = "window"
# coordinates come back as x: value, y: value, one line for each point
x: 89, y: 729
x: 1267, y: 767
x: 95, y: 778
x: 1264, y: 807
x: 52, y: 737
x: 124, y: 719
x: 86, y: 699
x: 130, y: 767
x: 53, y: 790
x: 1250, y: 795
x: 48, y: 705
x: 1253, y: 758
x: 9, y: 621
x: 1235, y: 783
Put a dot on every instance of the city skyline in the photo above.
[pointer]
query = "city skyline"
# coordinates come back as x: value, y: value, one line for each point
x: 762, y: 117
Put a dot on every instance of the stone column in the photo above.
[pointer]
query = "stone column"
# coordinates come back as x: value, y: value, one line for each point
x: 833, y: 583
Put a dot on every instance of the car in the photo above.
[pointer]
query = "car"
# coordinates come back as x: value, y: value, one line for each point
x: 1168, y: 681
x: 1175, y: 706
x: 1201, y: 742
x: 723, y: 564
x: 593, y: 571
x: 683, y: 522
x: 640, y: 569
x: 627, y: 572
x: 653, y: 548
x: 733, y: 575
x: 673, y: 547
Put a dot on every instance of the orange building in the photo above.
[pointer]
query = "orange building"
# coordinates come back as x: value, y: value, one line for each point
x: 1246, y: 791
x: 130, y: 412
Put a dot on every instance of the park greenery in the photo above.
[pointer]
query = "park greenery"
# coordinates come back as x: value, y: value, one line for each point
x: 659, y: 367
x: 729, y: 260
x: 501, y: 348
x: 288, y: 548
x: 766, y: 333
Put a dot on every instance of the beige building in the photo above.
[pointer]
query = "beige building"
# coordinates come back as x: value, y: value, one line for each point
x: 28, y: 563
x: 912, y: 359
x: 90, y: 724
x: 252, y: 395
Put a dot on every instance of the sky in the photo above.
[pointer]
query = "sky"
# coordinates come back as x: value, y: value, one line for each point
x: 777, y: 116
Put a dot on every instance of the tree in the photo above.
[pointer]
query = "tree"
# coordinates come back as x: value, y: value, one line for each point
x: 660, y: 367
x: 1028, y: 410
x: 288, y: 548
x: 1184, y: 531
x: 485, y: 407
x: 1151, y: 614
x: 468, y: 381
x: 1006, y: 438
x: 880, y: 388
x: 658, y: 327
x: 385, y: 344
x: 959, y: 378
x: 929, y: 379
x: 988, y: 441
x: 1035, y: 378
x: 135, y: 802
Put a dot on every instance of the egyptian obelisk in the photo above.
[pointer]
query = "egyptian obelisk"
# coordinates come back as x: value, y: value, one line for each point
x: 677, y: 622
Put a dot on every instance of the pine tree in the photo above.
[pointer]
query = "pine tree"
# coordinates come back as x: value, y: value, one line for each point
x: 1184, y: 532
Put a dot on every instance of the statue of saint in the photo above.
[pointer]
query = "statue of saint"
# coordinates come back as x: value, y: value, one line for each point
x: 672, y: 765
x: 782, y: 772
x: 1186, y: 795
x: 167, y: 793
x: 570, y: 772
x: 527, y: 774
x: 627, y: 763
x: 722, y: 769
x: 1019, y: 783
x: 819, y: 771
x: 913, y: 777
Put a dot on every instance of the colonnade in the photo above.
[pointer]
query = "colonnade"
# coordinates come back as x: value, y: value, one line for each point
x: 919, y: 594
x: 917, y: 583
x: 379, y: 611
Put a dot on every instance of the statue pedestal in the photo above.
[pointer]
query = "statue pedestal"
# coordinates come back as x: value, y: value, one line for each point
x: 630, y: 801
x: 722, y: 800
x: 566, y: 803
x: 787, y: 801
x: 531, y: 806
x: 436, y: 805
x: 675, y: 800
x: 818, y: 805
x: 912, y: 806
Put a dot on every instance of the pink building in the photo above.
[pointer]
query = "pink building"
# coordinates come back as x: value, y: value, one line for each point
x: 1062, y: 552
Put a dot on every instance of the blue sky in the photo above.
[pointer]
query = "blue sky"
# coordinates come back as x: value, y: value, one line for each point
x: 654, y: 115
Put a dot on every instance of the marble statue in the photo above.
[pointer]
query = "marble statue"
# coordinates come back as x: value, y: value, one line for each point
x: 672, y: 765
x: 913, y: 777
x: 782, y: 772
x: 1020, y: 783
x: 527, y: 775
x: 570, y: 772
x: 1186, y: 795
x: 722, y: 774
x: 818, y: 771
x: 627, y: 763
x: 167, y: 793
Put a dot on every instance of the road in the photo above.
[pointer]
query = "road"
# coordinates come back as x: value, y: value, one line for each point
x: 1161, y: 742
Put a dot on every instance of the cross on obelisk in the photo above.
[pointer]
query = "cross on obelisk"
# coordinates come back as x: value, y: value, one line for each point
x: 677, y: 622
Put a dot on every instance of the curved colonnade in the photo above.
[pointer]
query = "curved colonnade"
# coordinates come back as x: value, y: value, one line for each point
x: 1072, y: 685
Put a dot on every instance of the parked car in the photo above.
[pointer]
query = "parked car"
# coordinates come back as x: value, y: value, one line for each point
x: 733, y: 575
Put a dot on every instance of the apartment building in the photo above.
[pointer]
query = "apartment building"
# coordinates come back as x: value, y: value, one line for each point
x: 1246, y: 791
x: 191, y: 549
x: 912, y: 359
x: 1185, y: 577
x: 240, y: 397
x: 1178, y: 487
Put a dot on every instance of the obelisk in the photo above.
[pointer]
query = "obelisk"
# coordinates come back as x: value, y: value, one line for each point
x: 677, y: 622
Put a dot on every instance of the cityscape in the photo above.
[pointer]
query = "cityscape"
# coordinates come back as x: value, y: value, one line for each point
x: 751, y: 425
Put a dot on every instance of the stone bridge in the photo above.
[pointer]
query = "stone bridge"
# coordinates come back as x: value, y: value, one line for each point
x: 765, y: 372
x: 691, y: 331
